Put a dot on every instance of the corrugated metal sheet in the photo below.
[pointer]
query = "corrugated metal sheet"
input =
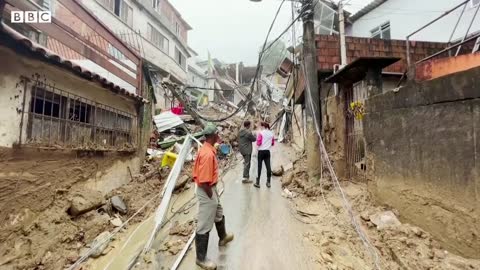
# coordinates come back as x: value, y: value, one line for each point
x: 50, y: 56
x: 166, y: 121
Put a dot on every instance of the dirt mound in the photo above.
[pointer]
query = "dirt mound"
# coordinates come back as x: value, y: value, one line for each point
x: 399, y: 246
x: 36, y: 231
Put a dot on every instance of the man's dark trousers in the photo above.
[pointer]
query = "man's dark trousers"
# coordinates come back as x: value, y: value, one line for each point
x: 247, y: 158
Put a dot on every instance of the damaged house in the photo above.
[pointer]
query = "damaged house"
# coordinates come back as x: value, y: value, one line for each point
x: 65, y: 127
x: 401, y: 113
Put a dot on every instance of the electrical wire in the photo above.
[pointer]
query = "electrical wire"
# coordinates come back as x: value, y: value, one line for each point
x: 346, y: 205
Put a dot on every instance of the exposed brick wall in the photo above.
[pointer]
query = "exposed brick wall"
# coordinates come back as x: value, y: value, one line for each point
x: 328, y: 51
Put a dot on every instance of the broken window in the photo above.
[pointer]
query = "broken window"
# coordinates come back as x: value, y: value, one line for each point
x: 382, y: 31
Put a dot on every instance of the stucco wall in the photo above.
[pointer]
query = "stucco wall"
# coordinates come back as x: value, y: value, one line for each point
x: 423, y: 156
x: 406, y: 16
x: 11, y: 92
x: 161, y: 59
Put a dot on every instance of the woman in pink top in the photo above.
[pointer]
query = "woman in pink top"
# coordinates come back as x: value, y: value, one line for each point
x: 265, y: 141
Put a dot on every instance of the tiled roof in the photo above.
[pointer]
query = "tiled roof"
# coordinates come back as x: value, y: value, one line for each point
x: 75, y: 68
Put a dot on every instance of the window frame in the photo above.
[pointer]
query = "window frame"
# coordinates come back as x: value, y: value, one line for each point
x: 163, y: 44
x: 156, y: 5
x: 126, y: 18
x: 381, y: 30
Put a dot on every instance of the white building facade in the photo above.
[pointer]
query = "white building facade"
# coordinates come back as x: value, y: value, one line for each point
x: 156, y: 30
x: 396, y: 19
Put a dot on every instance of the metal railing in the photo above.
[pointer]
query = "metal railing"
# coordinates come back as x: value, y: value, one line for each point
x: 457, y: 45
x: 59, y: 119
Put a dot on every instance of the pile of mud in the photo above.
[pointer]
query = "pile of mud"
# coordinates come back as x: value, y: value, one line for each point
x: 36, y: 192
x: 398, y: 245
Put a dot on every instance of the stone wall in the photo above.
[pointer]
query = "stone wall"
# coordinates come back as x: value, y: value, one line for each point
x: 423, y: 156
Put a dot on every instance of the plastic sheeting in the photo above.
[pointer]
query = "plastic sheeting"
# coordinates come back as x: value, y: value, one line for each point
x: 166, y: 121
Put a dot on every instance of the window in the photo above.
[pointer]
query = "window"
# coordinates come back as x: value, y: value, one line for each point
x: 476, y: 47
x: 177, y: 28
x: 120, y: 8
x: 59, y: 119
x: 157, y: 38
x: 126, y: 14
x: 180, y: 58
x: 326, y: 19
x: 382, y: 32
x: 156, y: 5
x: 108, y: 4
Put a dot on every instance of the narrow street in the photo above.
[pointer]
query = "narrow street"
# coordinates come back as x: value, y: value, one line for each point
x: 267, y: 236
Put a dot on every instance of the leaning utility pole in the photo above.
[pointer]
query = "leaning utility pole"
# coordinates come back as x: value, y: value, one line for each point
x: 312, y: 95
x: 343, y: 46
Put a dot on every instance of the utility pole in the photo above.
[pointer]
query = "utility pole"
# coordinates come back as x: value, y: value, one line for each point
x: 312, y: 95
x: 343, y: 46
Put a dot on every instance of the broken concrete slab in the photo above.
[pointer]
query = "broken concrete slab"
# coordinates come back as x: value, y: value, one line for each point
x: 385, y: 219
x: 181, y: 182
x: 86, y: 201
x: 119, y: 205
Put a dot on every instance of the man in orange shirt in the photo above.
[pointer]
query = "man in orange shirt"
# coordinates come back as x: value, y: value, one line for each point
x: 210, y: 211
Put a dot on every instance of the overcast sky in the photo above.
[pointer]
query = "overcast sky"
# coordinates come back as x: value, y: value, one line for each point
x: 234, y: 30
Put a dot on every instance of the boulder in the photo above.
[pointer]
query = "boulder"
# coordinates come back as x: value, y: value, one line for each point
x: 86, y: 201
x: 384, y: 220
x: 278, y: 171
x: 102, y: 241
x: 119, y: 205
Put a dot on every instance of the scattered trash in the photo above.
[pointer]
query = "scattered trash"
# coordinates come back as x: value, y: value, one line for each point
x: 385, y: 219
x: 119, y: 205
x: 169, y: 159
x: 167, y: 120
x: 288, y: 194
x: 154, y: 153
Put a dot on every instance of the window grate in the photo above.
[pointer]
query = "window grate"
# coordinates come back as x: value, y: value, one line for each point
x: 59, y: 119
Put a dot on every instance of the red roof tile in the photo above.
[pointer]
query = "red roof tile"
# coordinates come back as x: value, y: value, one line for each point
x: 67, y: 64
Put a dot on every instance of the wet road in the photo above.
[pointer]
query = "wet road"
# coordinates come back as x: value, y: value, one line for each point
x: 267, y: 236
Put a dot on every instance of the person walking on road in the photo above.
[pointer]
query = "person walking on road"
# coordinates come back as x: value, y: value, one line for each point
x: 210, y: 211
x: 265, y: 141
x: 246, y: 138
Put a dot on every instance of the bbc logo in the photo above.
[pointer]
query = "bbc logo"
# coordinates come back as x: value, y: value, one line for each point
x: 31, y: 17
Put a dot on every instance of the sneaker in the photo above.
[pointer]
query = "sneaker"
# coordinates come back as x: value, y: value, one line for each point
x: 246, y: 181
x: 268, y: 184
x: 256, y: 185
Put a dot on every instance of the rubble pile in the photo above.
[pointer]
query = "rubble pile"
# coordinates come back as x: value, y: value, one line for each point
x: 399, y: 245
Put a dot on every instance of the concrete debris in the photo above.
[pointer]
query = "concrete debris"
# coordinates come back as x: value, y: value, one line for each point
x: 181, y: 182
x: 119, y: 205
x: 288, y: 194
x: 288, y: 167
x: 278, y: 171
x: 100, y: 239
x: 88, y: 200
x: 384, y: 220
x: 117, y: 222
